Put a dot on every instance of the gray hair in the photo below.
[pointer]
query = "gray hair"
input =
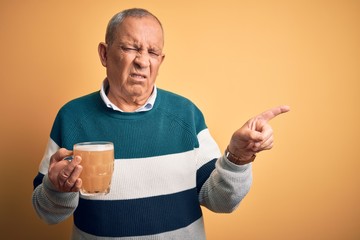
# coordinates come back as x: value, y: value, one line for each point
x: 118, y: 18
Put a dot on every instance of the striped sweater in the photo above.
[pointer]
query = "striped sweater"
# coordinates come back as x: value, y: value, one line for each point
x: 167, y: 166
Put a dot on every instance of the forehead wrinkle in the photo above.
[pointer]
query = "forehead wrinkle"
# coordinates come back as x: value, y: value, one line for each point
x: 131, y: 31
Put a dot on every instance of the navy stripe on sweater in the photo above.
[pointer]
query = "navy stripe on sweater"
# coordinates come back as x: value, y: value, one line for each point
x: 203, y: 173
x: 138, y: 217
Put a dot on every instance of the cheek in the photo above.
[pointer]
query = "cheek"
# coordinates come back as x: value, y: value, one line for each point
x: 155, y: 69
x: 118, y: 65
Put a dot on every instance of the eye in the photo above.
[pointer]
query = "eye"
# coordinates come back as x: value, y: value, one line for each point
x: 154, y: 53
x: 128, y: 49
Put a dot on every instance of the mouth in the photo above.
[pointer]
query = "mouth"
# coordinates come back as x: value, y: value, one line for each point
x: 138, y: 76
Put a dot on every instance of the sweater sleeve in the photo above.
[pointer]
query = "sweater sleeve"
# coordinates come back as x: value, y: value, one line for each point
x: 53, y: 206
x: 221, y: 184
x: 226, y: 186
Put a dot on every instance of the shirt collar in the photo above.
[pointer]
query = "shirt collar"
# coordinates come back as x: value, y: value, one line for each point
x: 146, y: 107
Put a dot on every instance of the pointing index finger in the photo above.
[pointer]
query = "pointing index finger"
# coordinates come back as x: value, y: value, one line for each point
x: 273, y: 112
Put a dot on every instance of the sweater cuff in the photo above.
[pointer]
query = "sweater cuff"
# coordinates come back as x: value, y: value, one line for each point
x: 230, y: 166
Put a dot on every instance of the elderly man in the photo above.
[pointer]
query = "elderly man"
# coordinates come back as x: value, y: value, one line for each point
x: 167, y: 164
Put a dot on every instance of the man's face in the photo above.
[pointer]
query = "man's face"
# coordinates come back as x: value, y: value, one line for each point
x: 134, y: 58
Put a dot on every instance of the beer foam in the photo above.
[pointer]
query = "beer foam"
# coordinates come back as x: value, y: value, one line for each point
x: 94, y: 146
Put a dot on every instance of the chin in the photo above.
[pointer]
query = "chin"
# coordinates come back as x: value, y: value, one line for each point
x: 138, y: 91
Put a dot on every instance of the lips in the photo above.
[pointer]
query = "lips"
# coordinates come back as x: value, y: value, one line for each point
x: 138, y: 76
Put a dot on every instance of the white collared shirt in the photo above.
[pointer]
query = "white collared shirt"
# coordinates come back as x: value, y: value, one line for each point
x: 146, y: 107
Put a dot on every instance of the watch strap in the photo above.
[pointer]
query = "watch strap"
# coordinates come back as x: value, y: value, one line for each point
x: 237, y: 160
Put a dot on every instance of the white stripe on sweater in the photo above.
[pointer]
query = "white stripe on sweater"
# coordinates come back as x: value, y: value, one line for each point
x: 152, y: 176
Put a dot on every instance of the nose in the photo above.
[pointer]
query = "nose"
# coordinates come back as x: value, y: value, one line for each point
x: 142, y: 60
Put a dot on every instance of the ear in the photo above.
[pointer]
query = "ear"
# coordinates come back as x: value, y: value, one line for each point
x: 162, y: 58
x: 102, y: 49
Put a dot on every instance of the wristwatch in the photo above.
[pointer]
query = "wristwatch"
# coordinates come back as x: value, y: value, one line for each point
x: 237, y: 160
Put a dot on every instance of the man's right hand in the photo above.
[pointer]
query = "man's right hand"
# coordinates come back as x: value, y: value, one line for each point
x: 64, y: 174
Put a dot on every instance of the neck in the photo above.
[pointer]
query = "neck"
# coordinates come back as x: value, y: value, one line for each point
x: 126, y: 103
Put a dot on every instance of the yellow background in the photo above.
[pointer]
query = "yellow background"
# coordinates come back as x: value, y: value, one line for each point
x: 234, y: 59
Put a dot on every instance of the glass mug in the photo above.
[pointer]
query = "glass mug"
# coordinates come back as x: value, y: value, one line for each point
x: 97, y: 161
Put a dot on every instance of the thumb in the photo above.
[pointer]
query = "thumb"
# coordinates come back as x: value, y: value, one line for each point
x: 255, y: 136
x: 251, y: 135
x: 60, y: 155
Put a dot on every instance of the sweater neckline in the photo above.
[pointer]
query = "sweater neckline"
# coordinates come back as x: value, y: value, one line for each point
x: 129, y: 115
